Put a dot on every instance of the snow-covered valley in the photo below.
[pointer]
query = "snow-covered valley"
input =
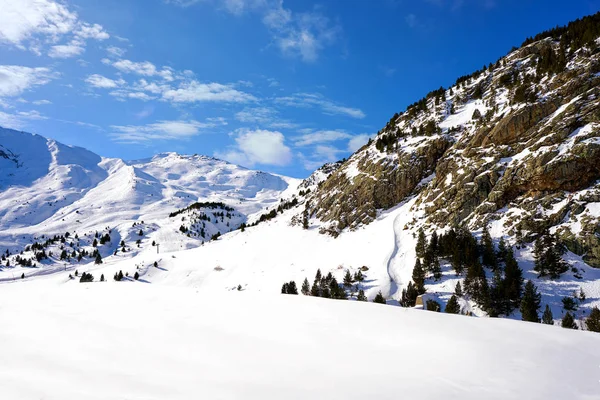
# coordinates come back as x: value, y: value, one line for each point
x: 140, y: 341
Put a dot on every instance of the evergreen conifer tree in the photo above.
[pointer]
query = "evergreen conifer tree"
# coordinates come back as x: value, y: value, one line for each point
x: 530, y: 304
x: 98, y: 259
x: 568, y: 321
x: 593, y: 321
x: 305, y: 287
x: 458, y: 290
x: 547, y: 317
x: 488, y: 254
x: 452, y: 307
x: 379, y: 298
x: 421, y: 244
x: 418, y: 277
x: 348, y: 279
x: 361, y: 296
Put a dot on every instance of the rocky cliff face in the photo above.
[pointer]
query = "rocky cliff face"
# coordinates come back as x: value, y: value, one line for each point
x: 518, y: 141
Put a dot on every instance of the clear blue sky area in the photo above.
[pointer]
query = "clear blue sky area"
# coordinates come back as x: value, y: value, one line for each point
x: 282, y: 86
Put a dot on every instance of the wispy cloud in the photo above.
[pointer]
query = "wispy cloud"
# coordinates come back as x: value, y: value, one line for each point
x: 303, y: 35
x: 161, y: 130
x: 99, y: 81
x: 194, y: 91
x: 16, y: 79
x: 321, y: 136
x: 307, y: 100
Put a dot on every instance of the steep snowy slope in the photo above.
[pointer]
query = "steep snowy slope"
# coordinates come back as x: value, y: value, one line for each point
x: 137, y: 341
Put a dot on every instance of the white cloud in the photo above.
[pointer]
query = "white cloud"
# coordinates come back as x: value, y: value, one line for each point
x: 123, y: 94
x: 357, y: 142
x: 256, y: 115
x: 72, y: 49
x: 89, y: 31
x: 41, y: 102
x: 320, y: 137
x: 161, y: 130
x: 258, y: 147
x: 20, y: 19
x: 10, y: 121
x: 195, y: 91
x: 302, y: 35
x: 327, y: 106
x: 18, y: 120
x: 115, y: 51
x: 305, y: 36
x: 145, y: 68
x: 31, y: 24
x: 322, y: 154
x: 15, y: 79
x: 99, y: 81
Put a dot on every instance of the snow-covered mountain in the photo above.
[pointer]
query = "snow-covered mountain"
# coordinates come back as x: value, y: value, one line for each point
x: 49, y: 189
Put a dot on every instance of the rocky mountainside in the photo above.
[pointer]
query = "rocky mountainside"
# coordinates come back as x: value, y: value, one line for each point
x: 516, y: 143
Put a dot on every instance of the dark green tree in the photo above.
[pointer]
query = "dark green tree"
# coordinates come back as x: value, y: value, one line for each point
x: 512, y: 285
x: 421, y: 244
x: 530, y: 304
x: 547, y: 317
x: 458, y: 290
x: 361, y: 296
x: 379, y: 298
x: 348, y: 279
x: 568, y: 321
x: 305, y: 287
x: 136, y: 276
x: 432, y: 305
x: 418, y: 277
x: 452, y: 307
x: 409, y: 295
x: 488, y: 253
x: 593, y: 321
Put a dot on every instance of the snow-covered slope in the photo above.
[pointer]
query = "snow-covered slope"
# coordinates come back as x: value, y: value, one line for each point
x: 136, y: 341
x: 48, y: 189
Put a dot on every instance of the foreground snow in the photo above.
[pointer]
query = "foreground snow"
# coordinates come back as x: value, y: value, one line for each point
x: 142, y: 341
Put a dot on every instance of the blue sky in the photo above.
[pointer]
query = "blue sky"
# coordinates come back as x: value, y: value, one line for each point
x: 282, y: 86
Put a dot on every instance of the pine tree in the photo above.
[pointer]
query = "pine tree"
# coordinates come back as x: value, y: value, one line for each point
x: 409, y: 295
x: 95, y: 243
x: 102, y: 278
x: 593, y: 321
x: 568, y: 321
x: 421, y: 244
x: 98, y: 259
x: 488, y: 254
x: 379, y: 298
x: 432, y: 305
x: 136, y: 276
x: 530, y: 304
x: 458, y: 290
x: 292, y: 289
x: 512, y: 285
x: 361, y: 296
x: 418, y: 277
x: 452, y: 307
x: 348, y: 279
x: 547, y: 317
x: 502, y: 251
x: 305, y: 287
